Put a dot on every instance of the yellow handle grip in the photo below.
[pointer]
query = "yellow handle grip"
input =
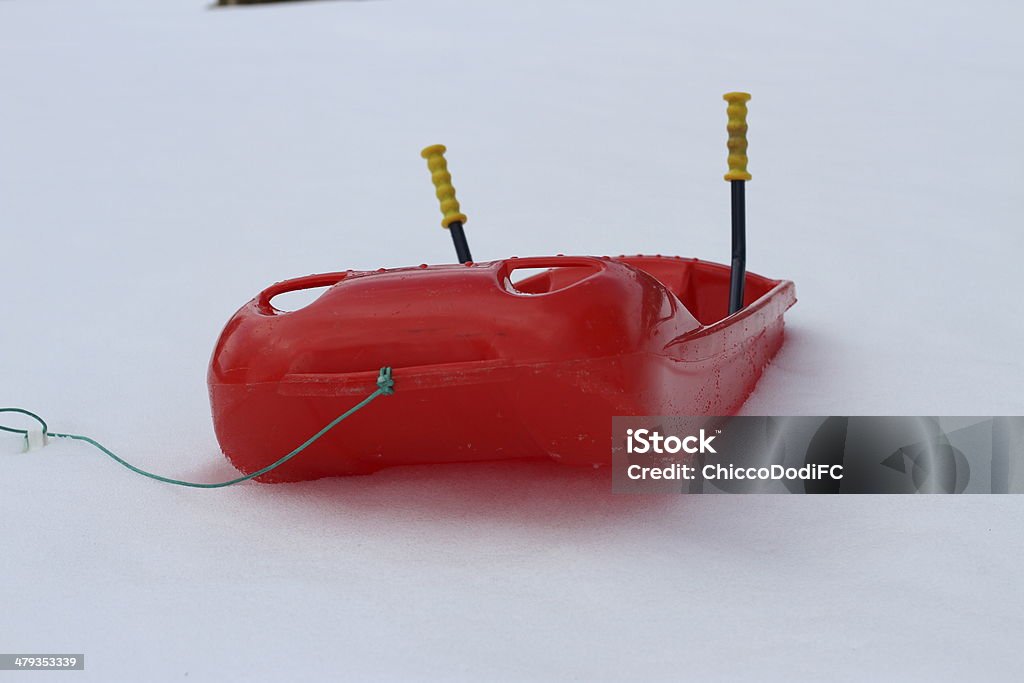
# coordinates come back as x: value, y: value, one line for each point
x: 442, y: 180
x: 737, y: 127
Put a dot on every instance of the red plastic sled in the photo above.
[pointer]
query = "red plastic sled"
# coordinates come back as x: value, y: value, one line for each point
x: 485, y: 369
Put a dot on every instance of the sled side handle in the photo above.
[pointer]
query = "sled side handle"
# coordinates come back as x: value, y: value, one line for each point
x: 263, y: 304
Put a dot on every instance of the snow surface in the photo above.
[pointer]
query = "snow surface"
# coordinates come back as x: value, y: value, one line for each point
x: 161, y: 162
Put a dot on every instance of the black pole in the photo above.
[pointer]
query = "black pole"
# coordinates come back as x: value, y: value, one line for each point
x: 459, y: 240
x: 454, y: 219
x: 737, y: 176
x: 739, y: 246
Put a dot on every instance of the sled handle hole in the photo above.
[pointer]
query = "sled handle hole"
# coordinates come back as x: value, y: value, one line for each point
x: 293, y: 295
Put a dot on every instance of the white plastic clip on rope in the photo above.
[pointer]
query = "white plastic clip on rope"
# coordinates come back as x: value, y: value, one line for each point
x: 34, y: 439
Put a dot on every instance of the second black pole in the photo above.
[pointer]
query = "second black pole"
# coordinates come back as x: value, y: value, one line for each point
x: 453, y: 219
x: 739, y: 246
x: 737, y: 178
x: 459, y: 240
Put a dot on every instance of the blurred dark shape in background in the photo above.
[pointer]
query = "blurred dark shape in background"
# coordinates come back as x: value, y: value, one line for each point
x: 228, y: 3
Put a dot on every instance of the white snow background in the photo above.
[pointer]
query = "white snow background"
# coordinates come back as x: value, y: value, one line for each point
x: 161, y: 162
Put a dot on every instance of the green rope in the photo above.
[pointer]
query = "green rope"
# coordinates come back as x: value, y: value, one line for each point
x: 385, y: 387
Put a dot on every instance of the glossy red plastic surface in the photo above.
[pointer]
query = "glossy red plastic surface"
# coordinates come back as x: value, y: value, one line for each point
x: 486, y: 369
